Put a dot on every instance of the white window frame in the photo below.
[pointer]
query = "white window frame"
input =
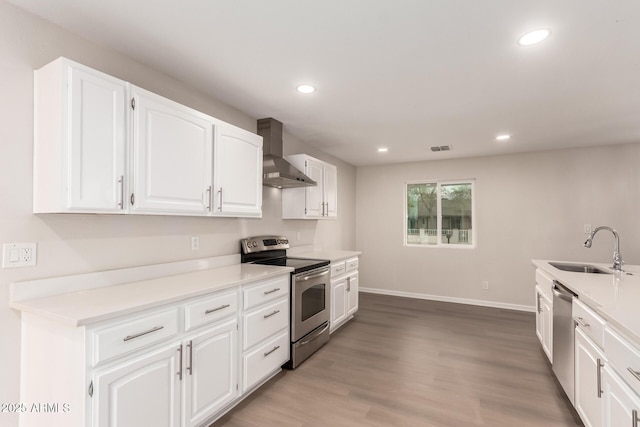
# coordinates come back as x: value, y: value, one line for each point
x: 439, y: 244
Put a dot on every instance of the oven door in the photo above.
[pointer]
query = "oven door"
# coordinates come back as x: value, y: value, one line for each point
x: 310, y: 297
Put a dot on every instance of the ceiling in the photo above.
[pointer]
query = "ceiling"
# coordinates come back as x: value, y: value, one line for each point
x: 403, y: 74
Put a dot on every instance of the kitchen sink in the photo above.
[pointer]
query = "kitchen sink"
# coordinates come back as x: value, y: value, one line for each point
x: 580, y: 268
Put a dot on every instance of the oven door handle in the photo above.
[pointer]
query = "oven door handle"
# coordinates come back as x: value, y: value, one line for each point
x: 315, y: 335
x: 313, y: 276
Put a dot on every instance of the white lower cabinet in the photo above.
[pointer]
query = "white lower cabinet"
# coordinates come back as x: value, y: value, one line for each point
x: 144, y: 390
x: 211, y: 372
x: 338, y: 302
x: 621, y: 404
x: 544, y: 322
x: 179, y: 365
x: 266, y: 339
x: 589, y: 361
x: 344, y: 291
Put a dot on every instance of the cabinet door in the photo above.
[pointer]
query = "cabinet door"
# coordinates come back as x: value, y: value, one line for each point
x: 352, y: 294
x: 588, y: 365
x: 547, y: 325
x: 210, y: 372
x: 338, y: 302
x: 621, y: 404
x: 331, y: 190
x: 314, y: 196
x: 144, y: 391
x: 96, y: 138
x: 539, y: 326
x: 172, y: 157
x: 237, y: 172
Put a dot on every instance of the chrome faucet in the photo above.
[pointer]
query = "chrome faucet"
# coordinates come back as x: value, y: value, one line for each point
x: 617, y: 258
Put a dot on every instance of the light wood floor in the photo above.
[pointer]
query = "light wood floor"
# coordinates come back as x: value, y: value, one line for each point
x: 407, y: 362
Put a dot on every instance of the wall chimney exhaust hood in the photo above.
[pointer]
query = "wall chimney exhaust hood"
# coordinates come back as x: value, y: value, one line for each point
x: 277, y: 172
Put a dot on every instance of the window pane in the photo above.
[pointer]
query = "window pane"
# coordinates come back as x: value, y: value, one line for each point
x: 456, y: 214
x: 422, y: 211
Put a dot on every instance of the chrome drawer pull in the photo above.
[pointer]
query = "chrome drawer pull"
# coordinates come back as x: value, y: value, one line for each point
x: 634, y: 418
x: 271, y: 291
x: 599, y: 377
x: 222, y: 307
x: 271, y: 314
x: 635, y: 374
x: 130, y: 337
x: 271, y: 351
x: 582, y: 323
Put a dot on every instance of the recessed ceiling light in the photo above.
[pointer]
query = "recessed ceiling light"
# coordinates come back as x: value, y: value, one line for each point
x: 306, y: 89
x: 533, y: 37
x: 383, y: 150
x: 503, y: 137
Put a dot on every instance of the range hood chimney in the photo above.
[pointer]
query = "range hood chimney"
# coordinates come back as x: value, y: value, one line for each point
x: 277, y: 172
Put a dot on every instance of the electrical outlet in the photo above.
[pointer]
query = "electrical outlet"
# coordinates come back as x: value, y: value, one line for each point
x: 195, y: 243
x: 19, y: 255
x: 485, y: 284
x: 587, y: 229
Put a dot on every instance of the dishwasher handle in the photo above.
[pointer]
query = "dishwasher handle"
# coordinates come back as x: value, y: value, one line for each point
x: 560, y: 291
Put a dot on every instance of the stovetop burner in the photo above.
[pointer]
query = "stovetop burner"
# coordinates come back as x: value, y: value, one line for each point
x: 272, y: 250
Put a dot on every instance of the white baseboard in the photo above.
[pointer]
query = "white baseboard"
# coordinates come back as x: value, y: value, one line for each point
x: 483, y: 303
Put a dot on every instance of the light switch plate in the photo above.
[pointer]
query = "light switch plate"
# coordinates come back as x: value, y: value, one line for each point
x: 19, y: 255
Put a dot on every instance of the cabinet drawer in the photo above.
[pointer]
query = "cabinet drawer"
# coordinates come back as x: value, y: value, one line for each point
x: 266, y: 291
x: 262, y: 323
x: 132, y: 334
x: 352, y: 264
x: 589, y: 322
x: 266, y: 359
x: 624, y: 357
x: 210, y: 309
x: 545, y: 282
x: 338, y: 268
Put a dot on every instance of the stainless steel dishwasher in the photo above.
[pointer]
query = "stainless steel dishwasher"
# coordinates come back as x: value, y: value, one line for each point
x: 563, y: 337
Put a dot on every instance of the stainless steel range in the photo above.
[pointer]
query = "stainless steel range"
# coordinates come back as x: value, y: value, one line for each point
x: 309, y: 293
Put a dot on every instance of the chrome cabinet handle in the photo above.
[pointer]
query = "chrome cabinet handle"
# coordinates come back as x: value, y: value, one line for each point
x: 266, y: 316
x: 220, y: 200
x: 154, y: 329
x: 635, y: 374
x: 539, y: 304
x: 271, y: 351
x: 121, y: 182
x: 179, y: 373
x: 582, y: 323
x: 599, y: 377
x: 327, y: 209
x: 210, y: 198
x: 634, y: 418
x: 190, y: 347
x: 216, y: 309
x: 271, y: 291
x: 348, y: 284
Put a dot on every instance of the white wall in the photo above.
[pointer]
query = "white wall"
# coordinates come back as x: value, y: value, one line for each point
x: 527, y: 206
x: 71, y: 244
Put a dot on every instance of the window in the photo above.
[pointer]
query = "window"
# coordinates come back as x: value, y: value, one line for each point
x: 440, y: 214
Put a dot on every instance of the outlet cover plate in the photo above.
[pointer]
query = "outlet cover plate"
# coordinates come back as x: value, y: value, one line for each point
x: 19, y: 255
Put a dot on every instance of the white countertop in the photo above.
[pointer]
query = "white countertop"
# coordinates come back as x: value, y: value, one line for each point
x: 616, y: 297
x: 99, y: 304
x: 331, y: 255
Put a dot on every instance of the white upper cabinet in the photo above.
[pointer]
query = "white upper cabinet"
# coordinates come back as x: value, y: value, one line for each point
x: 103, y: 145
x: 172, y: 152
x: 80, y: 140
x: 237, y: 172
x: 316, y: 202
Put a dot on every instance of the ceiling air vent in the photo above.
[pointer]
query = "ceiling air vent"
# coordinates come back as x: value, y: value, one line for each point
x: 441, y: 148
